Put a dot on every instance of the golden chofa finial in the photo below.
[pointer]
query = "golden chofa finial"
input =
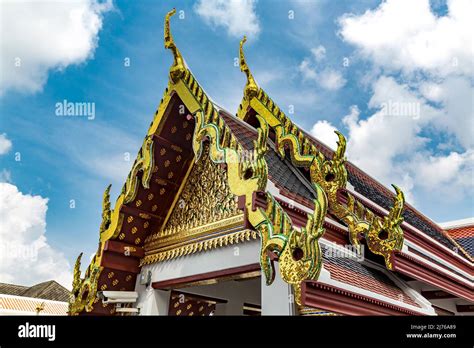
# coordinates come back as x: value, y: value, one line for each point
x: 76, y: 281
x: 251, y: 88
x: 106, y: 212
x: 177, y: 70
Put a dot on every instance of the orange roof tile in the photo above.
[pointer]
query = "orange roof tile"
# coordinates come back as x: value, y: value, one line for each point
x: 461, y: 232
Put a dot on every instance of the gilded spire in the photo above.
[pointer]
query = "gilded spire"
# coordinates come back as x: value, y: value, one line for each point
x: 177, y: 69
x: 251, y: 88
x: 76, y: 281
x: 106, y: 213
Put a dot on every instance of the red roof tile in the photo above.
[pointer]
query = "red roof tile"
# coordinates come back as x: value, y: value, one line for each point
x: 369, y: 283
x: 461, y: 232
x: 355, y: 273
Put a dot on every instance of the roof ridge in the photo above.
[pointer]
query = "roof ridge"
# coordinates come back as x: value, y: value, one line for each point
x: 449, y: 225
x: 297, y: 139
x: 23, y: 286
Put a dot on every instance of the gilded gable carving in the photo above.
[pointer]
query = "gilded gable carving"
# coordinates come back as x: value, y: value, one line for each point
x: 206, y: 198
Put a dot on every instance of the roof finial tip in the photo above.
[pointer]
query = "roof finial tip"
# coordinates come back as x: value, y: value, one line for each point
x: 251, y: 88
x: 177, y: 69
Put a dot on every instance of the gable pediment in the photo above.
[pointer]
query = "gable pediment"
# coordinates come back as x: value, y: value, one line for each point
x: 205, y: 198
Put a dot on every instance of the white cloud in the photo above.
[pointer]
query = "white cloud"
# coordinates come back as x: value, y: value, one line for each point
x: 266, y: 77
x: 387, y: 145
x: 453, y: 172
x: 431, y: 91
x: 456, y: 95
x: 420, y: 133
x: 391, y: 147
x: 307, y: 69
x: 407, y: 36
x: 26, y: 258
x: 5, y: 144
x: 326, y: 78
x: 378, y: 143
x: 238, y: 17
x: 42, y: 36
x: 324, y: 131
x: 114, y: 167
x: 319, y: 53
x: 5, y: 176
x: 331, y: 80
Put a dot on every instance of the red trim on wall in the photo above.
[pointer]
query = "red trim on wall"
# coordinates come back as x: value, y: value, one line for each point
x: 412, y: 267
x: 429, y: 245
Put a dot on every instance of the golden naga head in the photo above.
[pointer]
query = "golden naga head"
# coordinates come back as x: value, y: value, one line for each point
x: 177, y: 69
x: 386, y: 237
x: 301, y: 259
x: 383, y: 236
x: 299, y: 253
x: 251, y: 88
x: 331, y: 174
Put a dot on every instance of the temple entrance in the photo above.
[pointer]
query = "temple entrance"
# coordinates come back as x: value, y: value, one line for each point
x: 222, y: 281
x: 239, y: 295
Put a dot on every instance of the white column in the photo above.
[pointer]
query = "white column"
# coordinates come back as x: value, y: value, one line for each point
x: 154, y: 302
x: 278, y: 298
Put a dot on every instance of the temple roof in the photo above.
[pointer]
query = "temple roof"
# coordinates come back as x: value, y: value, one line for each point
x: 462, y: 231
x: 297, y: 187
x: 11, y: 304
x: 353, y: 272
x: 260, y: 143
x: 49, y: 290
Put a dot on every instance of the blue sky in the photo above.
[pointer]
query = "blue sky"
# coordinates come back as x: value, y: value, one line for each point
x: 325, y: 62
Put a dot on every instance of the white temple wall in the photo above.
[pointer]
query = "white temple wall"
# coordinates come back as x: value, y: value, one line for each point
x: 237, y: 255
x: 278, y: 298
x: 153, y: 302
x: 235, y: 292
